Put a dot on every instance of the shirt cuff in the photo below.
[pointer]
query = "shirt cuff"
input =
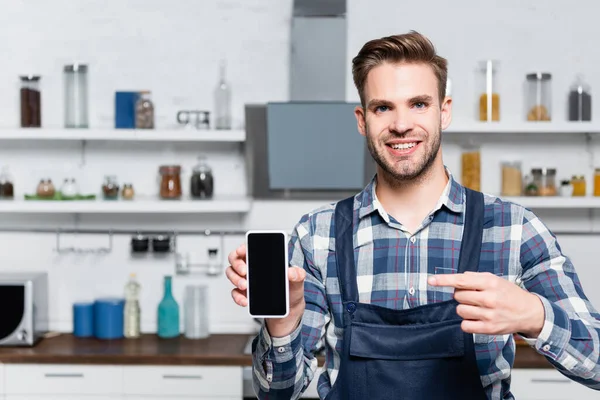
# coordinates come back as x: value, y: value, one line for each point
x: 555, y: 333
x: 268, y: 350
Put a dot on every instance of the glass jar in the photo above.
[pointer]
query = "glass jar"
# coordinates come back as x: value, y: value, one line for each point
x: 144, y: 111
x: 471, y: 169
x: 7, y: 189
x: 45, y: 188
x: 170, y: 184
x: 222, y: 100
x: 110, y: 188
x: 597, y: 182
x: 202, y: 182
x: 69, y: 189
x: 545, y: 181
x: 128, y: 192
x: 539, y: 97
x: 31, y: 102
x: 489, y: 99
x: 579, y: 187
x: 580, y: 101
x: 566, y: 189
x: 512, y: 180
x: 76, y: 96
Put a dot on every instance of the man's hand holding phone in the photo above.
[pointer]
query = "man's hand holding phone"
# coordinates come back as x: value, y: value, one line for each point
x: 237, y: 273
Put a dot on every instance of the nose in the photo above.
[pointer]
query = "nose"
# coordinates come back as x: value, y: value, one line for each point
x: 402, y: 120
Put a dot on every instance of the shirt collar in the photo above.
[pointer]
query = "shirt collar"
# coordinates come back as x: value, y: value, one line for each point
x: 452, y: 198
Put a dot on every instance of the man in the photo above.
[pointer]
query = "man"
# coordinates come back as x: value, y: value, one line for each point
x: 416, y: 285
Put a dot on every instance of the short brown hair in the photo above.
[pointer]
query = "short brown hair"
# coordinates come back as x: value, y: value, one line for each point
x: 411, y: 47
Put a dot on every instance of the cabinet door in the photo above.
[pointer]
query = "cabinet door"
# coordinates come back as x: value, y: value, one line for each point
x: 548, y: 384
x: 59, y: 397
x: 178, y: 398
x: 199, y: 382
x: 1, y: 381
x: 51, y: 379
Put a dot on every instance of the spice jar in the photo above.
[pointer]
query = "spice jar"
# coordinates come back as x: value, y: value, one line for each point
x: 512, y: 182
x: 31, y: 105
x: 566, y: 189
x: 471, y: 169
x: 110, y: 188
x: 144, y: 111
x: 7, y: 190
x: 489, y: 99
x: 45, y: 188
x: 545, y: 181
x: 170, y: 185
x: 579, y: 187
x: 69, y: 190
x: 128, y: 191
x: 597, y: 182
x: 531, y: 188
x: 76, y: 96
x: 539, y: 99
x: 580, y: 101
x: 202, y: 182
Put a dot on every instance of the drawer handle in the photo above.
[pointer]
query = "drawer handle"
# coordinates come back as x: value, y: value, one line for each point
x: 182, y: 377
x: 63, y: 375
x: 549, y: 380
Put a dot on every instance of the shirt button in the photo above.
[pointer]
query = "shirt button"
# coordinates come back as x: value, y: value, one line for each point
x: 546, y: 347
x: 413, y: 239
x: 411, y: 291
x: 281, y: 349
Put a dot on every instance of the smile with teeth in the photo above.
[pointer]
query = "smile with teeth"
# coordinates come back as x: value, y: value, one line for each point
x: 403, y: 146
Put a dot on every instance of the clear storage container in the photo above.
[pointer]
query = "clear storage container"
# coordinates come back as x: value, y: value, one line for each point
x: 489, y: 98
x: 539, y: 97
x: 76, y: 96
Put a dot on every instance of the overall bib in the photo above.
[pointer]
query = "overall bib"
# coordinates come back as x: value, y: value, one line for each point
x: 413, y: 354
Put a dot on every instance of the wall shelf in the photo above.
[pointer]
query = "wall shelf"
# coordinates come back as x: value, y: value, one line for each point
x: 555, y: 202
x: 133, y: 135
x: 141, y: 205
x: 524, y: 127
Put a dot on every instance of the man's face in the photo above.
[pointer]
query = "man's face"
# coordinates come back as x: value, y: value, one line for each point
x: 402, y: 120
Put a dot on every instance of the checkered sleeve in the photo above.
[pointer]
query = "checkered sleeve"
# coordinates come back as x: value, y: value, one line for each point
x: 283, y: 367
x: 570, y: 335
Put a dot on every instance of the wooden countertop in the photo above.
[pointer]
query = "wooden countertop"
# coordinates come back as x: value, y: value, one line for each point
x: 224, y: 350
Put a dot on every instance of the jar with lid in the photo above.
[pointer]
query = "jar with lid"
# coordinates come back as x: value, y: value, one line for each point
x: 512, y: 180
x: 202, y: 181
x: 144, y: 111
x: 545, y: 181
x: 170, y: 184
x: 471, y: 168
x: 31, y: 102
x: 7, y: 189
x: 566, y: 189
x: 45, y: 188
x: 128, y: 191
x: 579, y: 186
x: 580, y: 101
x: 539, y: 97
x: 76, y: 96
x: 489, y: 99
x: 110, y: 188
x: 597, y: 182
x: 69, y: 189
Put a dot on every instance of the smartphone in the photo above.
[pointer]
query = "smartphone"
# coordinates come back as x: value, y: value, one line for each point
x: 267, y: 273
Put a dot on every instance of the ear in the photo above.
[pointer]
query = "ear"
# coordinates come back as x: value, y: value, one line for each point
x: 446, y: 113
x: 359, y: 113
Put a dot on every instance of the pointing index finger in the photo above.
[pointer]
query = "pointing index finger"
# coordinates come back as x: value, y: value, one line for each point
x: 472, y: 281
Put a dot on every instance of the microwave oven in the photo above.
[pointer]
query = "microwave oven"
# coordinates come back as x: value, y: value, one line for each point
x: 24, y: 299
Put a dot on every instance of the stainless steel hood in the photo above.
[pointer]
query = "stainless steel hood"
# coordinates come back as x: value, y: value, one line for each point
x: 318, y: 51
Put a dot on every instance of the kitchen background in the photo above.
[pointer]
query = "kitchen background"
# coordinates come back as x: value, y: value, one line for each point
x: 175, y: 50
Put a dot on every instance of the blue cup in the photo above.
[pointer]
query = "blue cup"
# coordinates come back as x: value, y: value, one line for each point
x: 83, y: 320
x: 125, y: 109
x: 108, y: 318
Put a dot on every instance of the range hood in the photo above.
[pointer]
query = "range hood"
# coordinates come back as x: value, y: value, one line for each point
x: 318, y: 51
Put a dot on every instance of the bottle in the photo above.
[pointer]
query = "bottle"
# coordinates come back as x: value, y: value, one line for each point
x: 132, y: 308
x: 168, y: 313
x: 223, y: 101
x: 144, y: 111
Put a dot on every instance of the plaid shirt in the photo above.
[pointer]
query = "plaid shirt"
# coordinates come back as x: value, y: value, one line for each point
x: 392, y: 270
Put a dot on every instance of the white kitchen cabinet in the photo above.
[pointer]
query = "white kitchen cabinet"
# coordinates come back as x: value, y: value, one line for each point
x: 59, y: 397
x: 548, y: 384
x: 170, y: 382
x: 55, y: 379
x: 1, y: 381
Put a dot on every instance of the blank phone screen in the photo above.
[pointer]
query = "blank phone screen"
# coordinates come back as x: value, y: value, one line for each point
x: 266, y: 269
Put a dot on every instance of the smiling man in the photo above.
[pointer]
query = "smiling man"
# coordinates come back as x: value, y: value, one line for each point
x: 415, y: 286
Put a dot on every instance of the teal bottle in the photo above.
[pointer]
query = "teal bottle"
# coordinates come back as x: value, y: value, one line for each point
x: 168, y: 313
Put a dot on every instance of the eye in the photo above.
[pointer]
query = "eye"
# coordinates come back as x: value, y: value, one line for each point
x: 381, y: 108
x: 420, y: 105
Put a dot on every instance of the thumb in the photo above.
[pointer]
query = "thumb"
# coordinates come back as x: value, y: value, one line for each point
x: 296, y: 275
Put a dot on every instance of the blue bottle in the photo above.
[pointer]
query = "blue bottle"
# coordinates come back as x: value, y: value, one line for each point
x: 168, y: 313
